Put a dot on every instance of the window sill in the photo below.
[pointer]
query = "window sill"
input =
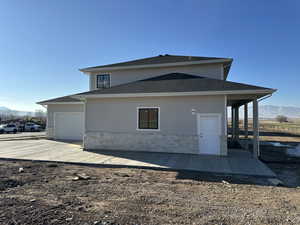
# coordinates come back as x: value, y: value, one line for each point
x: 147, y: 129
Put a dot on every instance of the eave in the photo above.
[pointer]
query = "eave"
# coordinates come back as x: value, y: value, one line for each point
x: 166, y: 94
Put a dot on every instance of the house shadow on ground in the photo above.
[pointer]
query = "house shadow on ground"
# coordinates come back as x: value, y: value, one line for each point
x: 286, y: 168
x: 222, y: 178
x: 275, y: 157
x: 181, y: 174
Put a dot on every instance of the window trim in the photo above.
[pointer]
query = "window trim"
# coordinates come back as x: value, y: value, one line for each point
x: 96, y: 80
x: 137, y: 117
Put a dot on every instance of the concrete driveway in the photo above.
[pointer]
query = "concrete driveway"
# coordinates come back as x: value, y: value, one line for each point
x: 23, y: 135
x: 47, y: 150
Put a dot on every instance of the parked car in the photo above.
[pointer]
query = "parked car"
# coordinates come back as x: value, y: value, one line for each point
x: 8, y: 128
x: 32, y: 127
x: 21, y: 127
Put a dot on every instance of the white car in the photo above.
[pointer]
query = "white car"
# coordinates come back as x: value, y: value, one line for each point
x: 8, y: 128
x: 32, y: 127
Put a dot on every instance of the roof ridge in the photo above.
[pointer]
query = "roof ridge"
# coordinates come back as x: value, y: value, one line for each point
x: 160, y: 59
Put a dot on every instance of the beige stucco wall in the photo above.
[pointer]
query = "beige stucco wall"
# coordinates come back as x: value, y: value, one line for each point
x: 126, y: 76
x: 51, y: 109
x: 112, y: 123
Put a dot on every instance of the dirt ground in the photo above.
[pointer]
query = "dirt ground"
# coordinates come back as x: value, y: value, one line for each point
x: 47, y: 193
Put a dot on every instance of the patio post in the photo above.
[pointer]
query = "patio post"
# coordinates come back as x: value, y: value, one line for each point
x: 246, y: 125
x: 255, y: 129
x: 236, y: 123
x: 232, y: 123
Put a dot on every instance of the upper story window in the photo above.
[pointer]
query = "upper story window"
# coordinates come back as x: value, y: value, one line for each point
x: 103, y: 81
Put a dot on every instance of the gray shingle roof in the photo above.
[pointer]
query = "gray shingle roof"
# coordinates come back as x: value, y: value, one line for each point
x: 172, y: 82
x: 156, y: 60
x: 175, y: 82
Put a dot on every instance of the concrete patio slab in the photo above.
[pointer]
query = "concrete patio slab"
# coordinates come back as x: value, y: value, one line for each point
x: 238, y: 162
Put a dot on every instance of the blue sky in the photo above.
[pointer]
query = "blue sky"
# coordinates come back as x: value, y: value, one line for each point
x: 44, y: 43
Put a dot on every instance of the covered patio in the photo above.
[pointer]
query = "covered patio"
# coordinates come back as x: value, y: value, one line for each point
x: 235, y: 102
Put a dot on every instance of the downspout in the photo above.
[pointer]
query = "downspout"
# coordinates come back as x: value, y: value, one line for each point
x: 258, y: 100
x: 268, y: 96
x: 47, y: 120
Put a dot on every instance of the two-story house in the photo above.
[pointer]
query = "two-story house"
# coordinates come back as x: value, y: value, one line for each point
x: 166, y: 103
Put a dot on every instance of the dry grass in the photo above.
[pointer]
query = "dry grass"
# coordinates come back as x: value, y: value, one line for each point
x: 287, y: 127
x: 271, y: 130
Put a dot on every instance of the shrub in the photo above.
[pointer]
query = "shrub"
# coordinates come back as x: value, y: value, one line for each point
x: 281, y: 119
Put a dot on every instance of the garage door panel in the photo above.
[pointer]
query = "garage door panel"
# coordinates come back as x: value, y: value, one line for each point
x: 68, y: 125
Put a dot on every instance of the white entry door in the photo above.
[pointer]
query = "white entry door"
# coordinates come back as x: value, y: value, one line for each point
x: 68, y: 125
x: 209, y: 131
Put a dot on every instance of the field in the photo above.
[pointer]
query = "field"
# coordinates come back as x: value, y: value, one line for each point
x: 271, y: 130
x: 292, y: 127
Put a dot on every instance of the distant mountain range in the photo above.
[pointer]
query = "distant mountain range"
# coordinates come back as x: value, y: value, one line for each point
x: 6, y: 111
x: 2, y: 108
x: 271, y: 111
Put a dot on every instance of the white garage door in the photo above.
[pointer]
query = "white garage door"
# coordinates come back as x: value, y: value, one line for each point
x: 68, y: 125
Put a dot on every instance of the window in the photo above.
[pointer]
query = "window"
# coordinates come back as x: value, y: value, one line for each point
x: 148, y: 118
x: 103, y: 81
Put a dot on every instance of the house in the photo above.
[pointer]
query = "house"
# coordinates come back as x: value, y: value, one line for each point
x: 166, y: 103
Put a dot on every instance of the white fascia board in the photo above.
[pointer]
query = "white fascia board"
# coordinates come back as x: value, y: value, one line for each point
x: 88, y: 71
x: 61, y: 103
x: 163, y: 94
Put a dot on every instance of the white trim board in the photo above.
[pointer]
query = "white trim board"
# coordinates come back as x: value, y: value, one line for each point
x: 61, y: 103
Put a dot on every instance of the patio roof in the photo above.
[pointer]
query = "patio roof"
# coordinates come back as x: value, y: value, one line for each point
x: 241, y: 99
